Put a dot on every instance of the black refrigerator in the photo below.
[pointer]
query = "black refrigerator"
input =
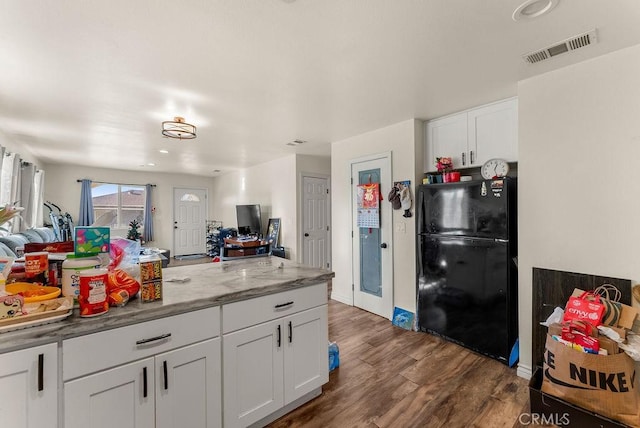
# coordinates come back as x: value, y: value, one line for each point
x: 467, y: 283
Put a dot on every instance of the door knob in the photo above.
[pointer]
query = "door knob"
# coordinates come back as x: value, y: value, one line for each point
x: 383, y: 245
x: 306, y: 234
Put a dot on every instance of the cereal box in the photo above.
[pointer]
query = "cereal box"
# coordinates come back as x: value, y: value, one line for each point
x: 150, y: 278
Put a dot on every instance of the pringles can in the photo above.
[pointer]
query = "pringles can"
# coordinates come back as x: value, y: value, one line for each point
x: 93, y: 292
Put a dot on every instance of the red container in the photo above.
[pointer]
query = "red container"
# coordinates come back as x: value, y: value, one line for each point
x: 451, y: 177
x: 93, y: 292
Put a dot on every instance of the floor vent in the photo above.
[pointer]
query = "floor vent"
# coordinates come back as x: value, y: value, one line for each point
x: 573, y: 43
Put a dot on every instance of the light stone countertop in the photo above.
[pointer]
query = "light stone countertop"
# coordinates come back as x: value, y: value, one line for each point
x: 210, y: 284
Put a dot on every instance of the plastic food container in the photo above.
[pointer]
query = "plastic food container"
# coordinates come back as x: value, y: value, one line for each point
x: 33, y: 292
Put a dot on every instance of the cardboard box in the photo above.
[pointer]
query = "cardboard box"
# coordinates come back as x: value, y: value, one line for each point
x: 556, y: 411
x: 150, y: 278
x: 91, y: 240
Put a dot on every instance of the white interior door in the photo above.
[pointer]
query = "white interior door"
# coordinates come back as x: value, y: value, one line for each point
x: 189, y: 221
x: 372, y: 247
x: 315, y: 227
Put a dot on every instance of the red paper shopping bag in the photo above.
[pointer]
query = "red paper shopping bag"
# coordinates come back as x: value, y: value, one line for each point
x: 586, y: 307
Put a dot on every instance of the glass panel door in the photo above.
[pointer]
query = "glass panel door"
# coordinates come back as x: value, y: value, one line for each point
x: 370, y: 266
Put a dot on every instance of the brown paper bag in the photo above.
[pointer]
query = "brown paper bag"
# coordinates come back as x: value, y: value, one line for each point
x: 603, y: 384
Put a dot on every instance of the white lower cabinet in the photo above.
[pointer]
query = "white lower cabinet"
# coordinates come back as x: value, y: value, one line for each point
x: 29, y: 388
x: 120, y: 397
x: 188, y: 387
x: 270, y: 365
x: 180, y: 388
x: 146, y: 375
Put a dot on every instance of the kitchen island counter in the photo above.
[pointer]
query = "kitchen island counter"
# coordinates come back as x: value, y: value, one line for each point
x: 185, y: 289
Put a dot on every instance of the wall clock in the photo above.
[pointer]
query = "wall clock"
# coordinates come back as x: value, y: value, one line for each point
x: 494, y: 168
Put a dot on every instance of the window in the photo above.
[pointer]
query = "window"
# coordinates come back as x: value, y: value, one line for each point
x: 116, y: 205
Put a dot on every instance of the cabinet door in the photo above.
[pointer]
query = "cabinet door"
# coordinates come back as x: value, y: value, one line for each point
x: 306, y: 357
x: 252, y: 361
x: 447, y: 137
x: 122, y: 397
x: 29, y: 388
x: 493, y: 132
x: 188, y: 383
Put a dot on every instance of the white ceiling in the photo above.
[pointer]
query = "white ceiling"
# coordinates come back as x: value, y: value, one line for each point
x: 90, y: 82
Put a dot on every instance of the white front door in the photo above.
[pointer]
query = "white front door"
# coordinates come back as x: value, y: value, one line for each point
x: 315, y: 227
x: 189, y: 220
x: 372, y: 247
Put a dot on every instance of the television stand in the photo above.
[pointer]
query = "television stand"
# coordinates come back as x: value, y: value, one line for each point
x: 235, y: 248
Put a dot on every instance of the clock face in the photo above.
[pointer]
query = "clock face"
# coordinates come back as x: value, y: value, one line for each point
x: 494, y: 168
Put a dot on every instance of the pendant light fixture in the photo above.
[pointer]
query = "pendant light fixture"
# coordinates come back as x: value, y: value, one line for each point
x: 178, y: 128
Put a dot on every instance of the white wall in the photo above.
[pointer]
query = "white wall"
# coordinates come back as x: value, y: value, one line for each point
x: 578, y: 185
x: 404, y: 140
x: 62, y: 188
x: 272, y: 185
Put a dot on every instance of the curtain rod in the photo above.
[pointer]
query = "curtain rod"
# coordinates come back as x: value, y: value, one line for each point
x: 121, y: 184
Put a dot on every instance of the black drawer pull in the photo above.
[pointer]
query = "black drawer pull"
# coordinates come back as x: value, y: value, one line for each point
x: 290, y: 332
x: 153, y: 339
x: 40, y: 372
x: 283, y: 305
x: 166, y: 375
x: 279, y: 336
x: 144, y: 382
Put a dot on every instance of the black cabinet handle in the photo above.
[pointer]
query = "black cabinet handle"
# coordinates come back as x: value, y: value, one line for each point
x: 306, y: 234
x: 166, y: 377
x: 153, y: 339
x: 283, y: 305
x: 290, y: 332
x: 383, y: 245
x: 463, y: 159
x: 471, y: 156
x: 279, y: 337
x: 40, y: 372
x: 144, y: 382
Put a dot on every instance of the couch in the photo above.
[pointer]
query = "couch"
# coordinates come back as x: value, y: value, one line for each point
x: 39, y: 235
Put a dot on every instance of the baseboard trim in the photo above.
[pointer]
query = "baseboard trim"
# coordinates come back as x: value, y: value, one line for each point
x: 524, y: 372
x: 286, y: 409
x: 341, y: 298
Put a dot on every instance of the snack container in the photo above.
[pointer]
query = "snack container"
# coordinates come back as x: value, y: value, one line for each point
x: 150, y: 278
x: 93, y: 292
x: 36, y: 267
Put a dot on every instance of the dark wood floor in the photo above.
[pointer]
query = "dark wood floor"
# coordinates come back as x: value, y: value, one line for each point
x: 390, y: 377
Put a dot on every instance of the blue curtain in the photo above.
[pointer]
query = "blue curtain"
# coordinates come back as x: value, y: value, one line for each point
x: 147, y: 235
x: 86, y: 204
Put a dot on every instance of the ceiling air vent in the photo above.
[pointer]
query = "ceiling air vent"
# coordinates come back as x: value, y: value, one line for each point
x: 573, y: 43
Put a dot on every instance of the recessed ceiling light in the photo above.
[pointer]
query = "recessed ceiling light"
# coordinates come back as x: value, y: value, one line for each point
x: 151, y: 164
x: 164, y: 151
x: 216, y: 170
x: 531, y: 9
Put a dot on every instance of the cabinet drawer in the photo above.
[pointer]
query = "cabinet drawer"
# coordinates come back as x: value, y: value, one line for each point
x: 87, y: 354
x: 260, y: 309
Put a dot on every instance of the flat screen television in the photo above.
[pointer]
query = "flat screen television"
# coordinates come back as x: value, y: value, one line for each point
x: 249, y: 221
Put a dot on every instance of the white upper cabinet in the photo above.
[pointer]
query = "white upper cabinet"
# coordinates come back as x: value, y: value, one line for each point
x: 474, y: 136
x: 446, y: 137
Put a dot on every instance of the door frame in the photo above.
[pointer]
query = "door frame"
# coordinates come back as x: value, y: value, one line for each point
x: 300, y: 215
x: 388, y: 158
x: 173, y: 215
